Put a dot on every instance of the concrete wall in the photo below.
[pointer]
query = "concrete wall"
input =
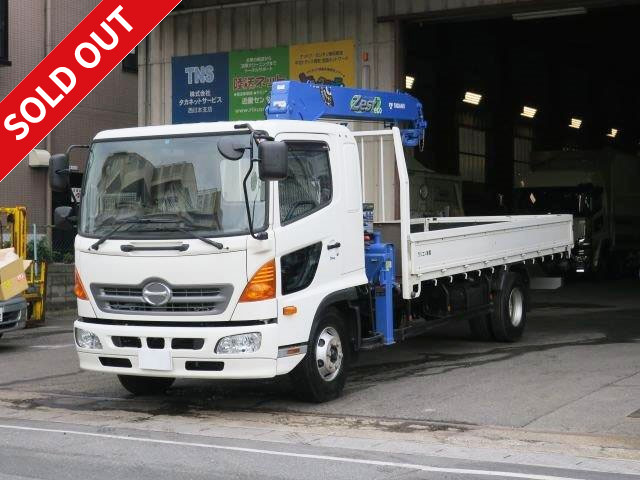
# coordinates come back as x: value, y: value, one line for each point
x: 112, y: 104
x: 60, y: 283
x: 24, y: 185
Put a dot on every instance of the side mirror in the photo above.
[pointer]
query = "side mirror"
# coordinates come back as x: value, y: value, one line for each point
x: 59, y: 172
x: 273, y: 160
x: 64, y: 218
x: 230, y: 148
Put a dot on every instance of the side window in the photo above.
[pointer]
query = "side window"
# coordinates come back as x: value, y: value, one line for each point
x: 130, y: 62
x: 308, y: 186
x: 299, y: 268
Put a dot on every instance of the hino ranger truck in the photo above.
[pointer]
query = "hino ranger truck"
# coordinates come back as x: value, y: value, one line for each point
x: 283, y: 246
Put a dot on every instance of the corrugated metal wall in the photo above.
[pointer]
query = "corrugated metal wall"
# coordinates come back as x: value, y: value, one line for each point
x: 284, y: 23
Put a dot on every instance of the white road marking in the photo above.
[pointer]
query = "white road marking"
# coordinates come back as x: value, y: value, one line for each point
x: 52, y: 347
x: 410, y: 466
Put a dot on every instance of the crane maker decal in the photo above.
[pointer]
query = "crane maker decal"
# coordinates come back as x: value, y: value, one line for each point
x: 304, y: 101
x: 360, y: 103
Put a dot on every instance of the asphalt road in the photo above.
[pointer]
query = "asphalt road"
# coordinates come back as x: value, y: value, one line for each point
x: 563, y: 403
x: 61, y: 451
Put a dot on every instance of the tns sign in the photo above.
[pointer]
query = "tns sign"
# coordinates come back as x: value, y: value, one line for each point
x: 201, y: 74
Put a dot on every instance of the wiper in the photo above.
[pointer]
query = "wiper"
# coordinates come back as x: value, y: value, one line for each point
x: 192, y: 234
x: 151, y: 219
x: 120, y: 224
x: 182, y: 218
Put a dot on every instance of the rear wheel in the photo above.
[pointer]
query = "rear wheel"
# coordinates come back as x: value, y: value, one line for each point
x: 481, y: 327
x: 145, y: 385
x: 510, y: 309
x: 321, y: 375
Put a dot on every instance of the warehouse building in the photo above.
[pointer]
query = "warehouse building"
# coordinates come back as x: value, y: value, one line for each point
x: 29, y: 29
x: 498, y: 79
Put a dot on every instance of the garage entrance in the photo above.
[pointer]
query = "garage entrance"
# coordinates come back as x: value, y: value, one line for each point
x: 496, y: 90
x: 538, y: 112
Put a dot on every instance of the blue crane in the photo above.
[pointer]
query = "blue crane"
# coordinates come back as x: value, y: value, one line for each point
x: 292, y: 100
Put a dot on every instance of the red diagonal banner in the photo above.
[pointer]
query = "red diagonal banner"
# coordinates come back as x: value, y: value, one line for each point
x: 74, y: 68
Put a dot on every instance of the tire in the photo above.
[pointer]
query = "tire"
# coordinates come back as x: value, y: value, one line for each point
x: 481, y: 328
x: 509, y: 316
x: 145, y: 385
x: 322, y: 373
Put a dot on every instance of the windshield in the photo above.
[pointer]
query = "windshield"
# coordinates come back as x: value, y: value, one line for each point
x: 181, y: 178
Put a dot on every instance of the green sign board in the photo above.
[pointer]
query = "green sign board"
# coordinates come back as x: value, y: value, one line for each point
x: 251, y: 73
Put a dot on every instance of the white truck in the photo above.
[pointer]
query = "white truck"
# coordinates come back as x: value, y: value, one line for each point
x: 238, y: 251
x: 600, y: 189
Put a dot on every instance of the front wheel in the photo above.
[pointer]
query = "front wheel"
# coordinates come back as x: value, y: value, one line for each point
x: 145, y: 385
x: 321, y: 375
x: 509, y: 316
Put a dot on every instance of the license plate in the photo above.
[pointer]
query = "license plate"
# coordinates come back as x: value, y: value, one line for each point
x: 155, y: 360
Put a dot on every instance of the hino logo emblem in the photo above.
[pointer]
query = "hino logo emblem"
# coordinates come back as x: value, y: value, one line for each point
x: 156, y: 294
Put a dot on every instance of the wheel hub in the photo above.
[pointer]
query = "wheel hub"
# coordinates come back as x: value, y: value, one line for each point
x: 516, y: 306
x: 329, y: 354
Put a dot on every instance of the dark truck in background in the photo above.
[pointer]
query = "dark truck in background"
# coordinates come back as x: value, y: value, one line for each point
x: 601, y: 189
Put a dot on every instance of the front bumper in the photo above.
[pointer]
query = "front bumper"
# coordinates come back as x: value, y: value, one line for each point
x: 200, y: 362
x: 13, y: 315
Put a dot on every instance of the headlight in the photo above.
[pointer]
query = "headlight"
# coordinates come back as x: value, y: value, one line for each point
x: 85, y: 339
x: 242, y: 343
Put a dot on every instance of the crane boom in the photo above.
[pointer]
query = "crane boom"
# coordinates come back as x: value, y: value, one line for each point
x: 293, y: 100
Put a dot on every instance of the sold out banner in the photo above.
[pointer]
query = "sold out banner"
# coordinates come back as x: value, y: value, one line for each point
x: 74, y: 68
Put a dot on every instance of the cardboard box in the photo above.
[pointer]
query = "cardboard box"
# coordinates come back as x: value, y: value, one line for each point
x: 13, y: 280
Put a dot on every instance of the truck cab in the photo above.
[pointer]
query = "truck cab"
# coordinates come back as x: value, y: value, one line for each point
x: 155, y: 299
x: 581, y: 194
x: 600, y: 189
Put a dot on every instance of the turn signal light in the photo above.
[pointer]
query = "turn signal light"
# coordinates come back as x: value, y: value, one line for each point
x: 290, y: 310
x: 78, y: 288
x: 262, y: 285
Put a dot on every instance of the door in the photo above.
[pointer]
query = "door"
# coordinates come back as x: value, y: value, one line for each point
x: 352, y: 244
x: 307, y: 228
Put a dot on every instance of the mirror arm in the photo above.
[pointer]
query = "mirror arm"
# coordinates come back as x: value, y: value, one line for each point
x: 74, y: 147
x: 259, y: 235
x: 256, y: 137
x: 256, y: 134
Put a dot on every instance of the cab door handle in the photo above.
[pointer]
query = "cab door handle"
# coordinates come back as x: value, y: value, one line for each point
x: 333, y: 245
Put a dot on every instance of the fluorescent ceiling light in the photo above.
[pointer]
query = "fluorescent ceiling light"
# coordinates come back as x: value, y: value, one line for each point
x: 529, y: 112
x: 408, y: 82
x: 575, y: 123
x: 561, y: 12
x: 613, y: 133
x: 472, y: 98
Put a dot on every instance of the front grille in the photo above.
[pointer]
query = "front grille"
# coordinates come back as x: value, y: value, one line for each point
x: 12, y: 317
x: 126, y: 342
x: 11, y: 320
x: 192, y: 300
x: 115, y: 362
x: 200, y: 366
